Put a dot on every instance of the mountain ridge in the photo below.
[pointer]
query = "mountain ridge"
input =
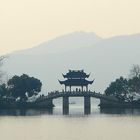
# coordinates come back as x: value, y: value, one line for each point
x: 65, y: 42
x: 106, y: 59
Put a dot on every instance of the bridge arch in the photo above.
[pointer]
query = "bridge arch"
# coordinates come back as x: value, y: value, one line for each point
x: 66, y: 95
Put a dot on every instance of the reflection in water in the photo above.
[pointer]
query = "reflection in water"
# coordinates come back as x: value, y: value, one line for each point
x: 74, y: 111
x: 25, y: 112
x: 122, y: 111
x: 44, y: 124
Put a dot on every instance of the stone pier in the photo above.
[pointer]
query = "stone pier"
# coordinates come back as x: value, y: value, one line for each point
x: 65, y: 105
x: 87, y: 105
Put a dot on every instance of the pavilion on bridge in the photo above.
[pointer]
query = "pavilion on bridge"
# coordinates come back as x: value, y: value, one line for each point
x: 76, y: 78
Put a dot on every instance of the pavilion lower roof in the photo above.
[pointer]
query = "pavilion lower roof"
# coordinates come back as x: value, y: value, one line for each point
x: 76, y: 82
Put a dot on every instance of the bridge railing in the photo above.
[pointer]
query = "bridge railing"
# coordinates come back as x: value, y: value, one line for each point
x: 58, y: 94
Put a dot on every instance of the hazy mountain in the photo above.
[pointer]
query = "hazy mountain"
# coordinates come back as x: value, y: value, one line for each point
x: 64, y: 43
x: 106, y: 59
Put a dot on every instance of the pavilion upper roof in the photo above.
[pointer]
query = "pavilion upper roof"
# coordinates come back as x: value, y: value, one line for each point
x: 76, y: 74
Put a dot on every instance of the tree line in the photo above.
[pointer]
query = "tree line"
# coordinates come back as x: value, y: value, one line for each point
x: 126, y: 88
x: 22, y: 87
x: 19, y: 87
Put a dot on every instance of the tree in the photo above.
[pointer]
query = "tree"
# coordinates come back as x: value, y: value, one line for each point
x: 134, y: 84
x: 134, y: 81
x: 135, y: 71
x: 24, y: 86
x: 1, y: 63
x: 3, y: 90
x: 118, y: 87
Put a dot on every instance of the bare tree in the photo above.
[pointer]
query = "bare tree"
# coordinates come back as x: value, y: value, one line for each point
x: 135, y: 71
x: 1, y: 71
x: 1, y: 60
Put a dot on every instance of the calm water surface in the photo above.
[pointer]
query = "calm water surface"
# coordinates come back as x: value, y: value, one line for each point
x: 109, y: 124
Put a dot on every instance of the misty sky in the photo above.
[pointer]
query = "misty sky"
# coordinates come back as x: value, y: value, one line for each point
x: 26, y: 23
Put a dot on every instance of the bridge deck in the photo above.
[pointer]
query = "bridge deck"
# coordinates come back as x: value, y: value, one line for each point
x: 57, y: 94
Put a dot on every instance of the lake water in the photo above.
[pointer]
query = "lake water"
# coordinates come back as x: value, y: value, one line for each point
x: 107, y: 124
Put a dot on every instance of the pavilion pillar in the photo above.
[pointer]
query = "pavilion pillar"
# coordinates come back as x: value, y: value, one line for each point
x: 86, y: 88
x: 65, y: 105
x: 65, y: 88
x: 87, y: 105
x: 70, y: 88
x: 82, y: 88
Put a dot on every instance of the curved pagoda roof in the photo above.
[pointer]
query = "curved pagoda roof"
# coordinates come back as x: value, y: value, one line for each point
x: 76, y: 82
x: 76, y: 78
x: 76, y: 74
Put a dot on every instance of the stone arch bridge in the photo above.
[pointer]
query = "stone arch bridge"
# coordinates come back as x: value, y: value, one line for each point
x: 65, y: 96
